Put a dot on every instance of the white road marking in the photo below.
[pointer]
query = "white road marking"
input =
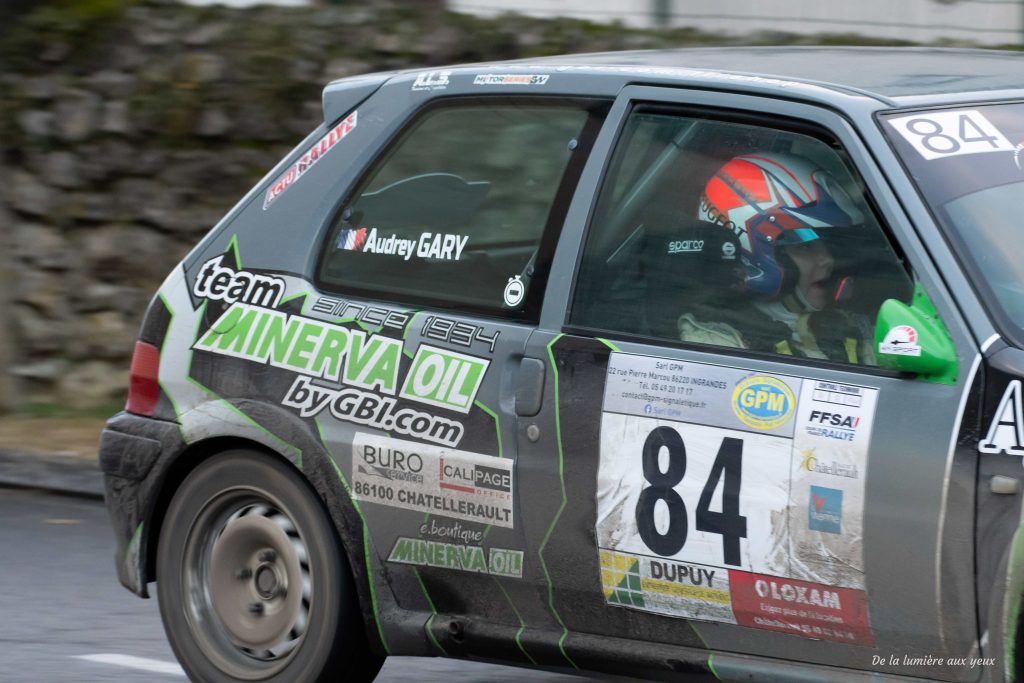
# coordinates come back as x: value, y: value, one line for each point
x: 151, y: 665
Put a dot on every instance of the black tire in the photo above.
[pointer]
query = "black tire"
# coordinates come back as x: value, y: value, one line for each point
x: 252, y: 582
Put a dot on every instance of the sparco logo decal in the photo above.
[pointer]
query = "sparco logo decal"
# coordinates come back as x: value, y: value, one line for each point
x: 306, y: 161
x: 685, y: 246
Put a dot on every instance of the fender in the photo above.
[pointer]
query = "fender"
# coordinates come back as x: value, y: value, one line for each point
x: 217, y: 424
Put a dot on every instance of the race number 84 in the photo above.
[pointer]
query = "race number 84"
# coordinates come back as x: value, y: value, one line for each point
x: 727, y: 470
x: 950, y: 133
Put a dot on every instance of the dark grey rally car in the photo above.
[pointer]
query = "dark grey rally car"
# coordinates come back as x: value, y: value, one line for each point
x: 683, y: 365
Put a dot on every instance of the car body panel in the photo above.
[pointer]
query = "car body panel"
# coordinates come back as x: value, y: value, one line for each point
x: 506, y: 565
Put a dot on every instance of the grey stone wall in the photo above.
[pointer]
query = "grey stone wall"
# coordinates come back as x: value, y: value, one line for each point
x: 128, y: 127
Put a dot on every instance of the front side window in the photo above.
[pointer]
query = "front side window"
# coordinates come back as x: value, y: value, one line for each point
x: 738, y: 235
x: 455, y: 213
x: 968, y: 163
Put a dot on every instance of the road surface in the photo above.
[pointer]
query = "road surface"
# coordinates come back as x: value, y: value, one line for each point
x: 66, y: 618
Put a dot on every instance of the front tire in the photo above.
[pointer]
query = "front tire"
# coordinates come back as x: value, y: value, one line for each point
x: 252, y: 582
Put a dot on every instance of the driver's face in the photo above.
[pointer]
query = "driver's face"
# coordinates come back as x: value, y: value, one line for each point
x: 814, y: 263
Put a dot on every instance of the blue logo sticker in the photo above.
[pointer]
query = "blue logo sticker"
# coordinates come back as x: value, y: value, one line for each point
x: 825, y: 510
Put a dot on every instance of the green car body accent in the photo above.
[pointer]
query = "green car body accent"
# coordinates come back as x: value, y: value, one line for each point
x: 551, y: 527
x: 366, y: 542
x: 433, y: 613
x: 932, y: 355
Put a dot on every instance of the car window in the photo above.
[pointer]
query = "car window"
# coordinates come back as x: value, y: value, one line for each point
x: 968, y: 164
x: 736, y: 234
x: 456, y: 210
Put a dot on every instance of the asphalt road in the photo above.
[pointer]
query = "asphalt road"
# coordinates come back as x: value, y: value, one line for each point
x: 64, y: 617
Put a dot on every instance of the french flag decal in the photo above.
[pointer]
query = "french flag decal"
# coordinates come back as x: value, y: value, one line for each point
x: 352, y: 240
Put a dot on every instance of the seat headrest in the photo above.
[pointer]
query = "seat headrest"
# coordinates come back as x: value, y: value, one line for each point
x: 693, y: 244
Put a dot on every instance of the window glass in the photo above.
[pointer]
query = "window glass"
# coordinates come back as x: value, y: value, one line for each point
x: 968, y: 164
x: 736, y: 235
x: 455, y: 212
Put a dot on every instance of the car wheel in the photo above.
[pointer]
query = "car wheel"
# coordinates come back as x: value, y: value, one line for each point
x: 252, y: 582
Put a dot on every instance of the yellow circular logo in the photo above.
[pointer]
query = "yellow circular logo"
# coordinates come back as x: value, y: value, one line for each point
x: 763, y: 402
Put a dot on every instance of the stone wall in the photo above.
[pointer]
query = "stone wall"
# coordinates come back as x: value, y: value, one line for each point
x: 128, y: 127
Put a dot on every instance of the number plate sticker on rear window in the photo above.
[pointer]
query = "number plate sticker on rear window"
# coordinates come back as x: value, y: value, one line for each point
x: 733, y: 496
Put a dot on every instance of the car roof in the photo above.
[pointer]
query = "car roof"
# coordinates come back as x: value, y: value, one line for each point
x: 887, y: 73
x: 847, y: 77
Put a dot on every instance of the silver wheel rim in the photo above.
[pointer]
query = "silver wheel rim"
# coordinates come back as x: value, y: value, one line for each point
x: 246, y: 583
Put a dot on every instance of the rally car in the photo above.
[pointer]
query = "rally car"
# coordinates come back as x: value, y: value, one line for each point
x: 688, y: 365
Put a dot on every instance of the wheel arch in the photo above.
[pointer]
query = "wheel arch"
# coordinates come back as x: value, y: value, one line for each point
x: 177, y: 470
x: 315, y: 467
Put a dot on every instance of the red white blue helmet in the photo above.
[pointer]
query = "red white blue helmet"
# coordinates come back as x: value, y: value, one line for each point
x: 773, y: 200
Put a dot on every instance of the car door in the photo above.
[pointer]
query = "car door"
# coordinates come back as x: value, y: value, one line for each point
x: 715, y: 494
x: 436, y: 261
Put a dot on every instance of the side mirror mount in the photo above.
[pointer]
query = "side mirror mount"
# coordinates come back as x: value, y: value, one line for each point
x: 914, y: 339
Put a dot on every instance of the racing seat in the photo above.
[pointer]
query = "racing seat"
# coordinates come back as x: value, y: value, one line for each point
x: 687, y: 266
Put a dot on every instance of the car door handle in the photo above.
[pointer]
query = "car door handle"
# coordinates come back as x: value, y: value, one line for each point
x: 529, y: 387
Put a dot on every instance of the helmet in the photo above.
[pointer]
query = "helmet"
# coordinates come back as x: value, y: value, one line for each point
x: 772, y: 200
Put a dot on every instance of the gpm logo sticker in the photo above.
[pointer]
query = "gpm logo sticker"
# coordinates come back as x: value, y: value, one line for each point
x: 763, y: 402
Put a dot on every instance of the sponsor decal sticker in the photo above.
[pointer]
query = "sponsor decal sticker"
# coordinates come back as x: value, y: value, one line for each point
x: 450, y: 531
x: 1006, y: 433
x: 800, y: 607
x: 515, y: 290
x: 510, y: 79
x: 372, y: 410
x: 307, y: 160
x: 810, y: 462
x: 702, y: 515
x: 305, y: 345
x: 832, y: 425
x: 664, y: 586
x: 900, y: 341
x: 441, y: 246
x: 426, y: 478
x: 458, y: 332
x: 370, y: 315
x: 368, y: 364
x: 763, y: 402
x: 940, y: 134
x: 223, y: 283
x: 825, y: 510
x: 432, y: 80
x: 728, y: 251
x: 446, y: 379
x: 467, y: 558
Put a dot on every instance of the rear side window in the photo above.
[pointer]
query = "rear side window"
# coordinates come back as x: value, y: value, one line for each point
x: 457, y: 211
